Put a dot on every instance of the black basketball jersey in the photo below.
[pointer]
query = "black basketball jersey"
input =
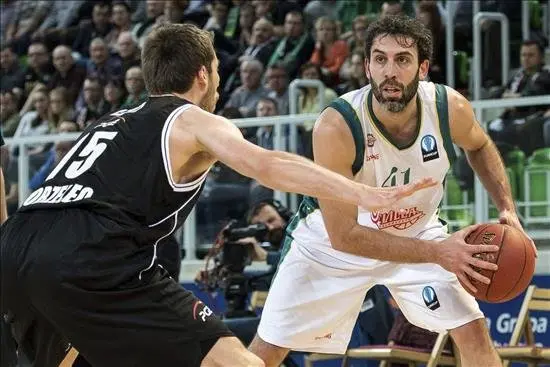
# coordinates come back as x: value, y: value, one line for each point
x: 119, y: 168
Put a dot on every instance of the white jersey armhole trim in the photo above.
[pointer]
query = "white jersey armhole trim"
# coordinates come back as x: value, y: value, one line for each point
x: 176, y: 212
x: 165, y: 146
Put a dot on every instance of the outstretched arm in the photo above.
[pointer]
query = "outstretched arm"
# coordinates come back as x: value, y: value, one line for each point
x: 284, y: 171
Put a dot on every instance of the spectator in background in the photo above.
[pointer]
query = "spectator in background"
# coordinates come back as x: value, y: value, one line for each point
x: 67, y: 74
x: 9, y: 113
x: 62, y: 15
x: 121, y: 20
x: 9, y: 170
x: 316, y: 9
x: 99, y: 27
x: 261, y: 44
x: 356, y: 43
x: 359, y: 27
x: 101, y: 64
x: 94, y: 104
x: 35, y: 123
x: 249, y: 93
x: 11, y: 70
x: 531, y: 79
x: 523, y: 126
x: 276, y: 12
x: 7, y: 16
x: 28, y: 15
x: 296, y: 46
x: 330, y: 52
x: 218, y: 15
x: 128, y: 51
x: 266, y: 107
x: 56, y: 154
x: 357, y: 78
x: 261, y: 47
x: 39, y: 69
x: 309, y: 102
x: 60, y: 109
x: 135, y: 85
x: 392, y: 8
x: 247, y: 19
x: 277, y: 82
x: 155, y: 9
x: 114, y: 94
x: 429, y: 15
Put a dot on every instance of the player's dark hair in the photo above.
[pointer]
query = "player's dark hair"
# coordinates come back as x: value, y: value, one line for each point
x: 172, y: 56
x: 408, y: 32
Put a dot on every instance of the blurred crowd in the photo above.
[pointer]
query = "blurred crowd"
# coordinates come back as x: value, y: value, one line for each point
x: 66, y: 63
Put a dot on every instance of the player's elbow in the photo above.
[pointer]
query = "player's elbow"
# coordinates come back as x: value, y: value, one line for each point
x: 340, y: 240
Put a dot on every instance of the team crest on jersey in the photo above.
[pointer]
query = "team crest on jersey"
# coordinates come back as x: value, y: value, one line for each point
x: 370, y: 140
x: 399, y: 219
x: 428, y: 145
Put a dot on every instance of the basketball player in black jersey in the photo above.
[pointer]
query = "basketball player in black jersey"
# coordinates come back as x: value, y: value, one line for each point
x: 79, y: 259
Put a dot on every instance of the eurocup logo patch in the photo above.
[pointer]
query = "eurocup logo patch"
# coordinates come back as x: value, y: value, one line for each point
x: 430, y: 298
x: 428, y: 145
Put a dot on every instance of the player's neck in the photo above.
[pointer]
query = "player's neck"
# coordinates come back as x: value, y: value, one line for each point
x: 395, y: 121
x: 192, y: 95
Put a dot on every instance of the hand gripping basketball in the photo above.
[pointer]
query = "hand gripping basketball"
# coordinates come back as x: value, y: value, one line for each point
x: 457, y: 256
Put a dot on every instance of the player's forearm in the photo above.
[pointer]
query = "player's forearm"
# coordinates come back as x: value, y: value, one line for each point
x: 3, y: 208
x: 487, y: 164
x: 292, y: 173
x: 375, y: 244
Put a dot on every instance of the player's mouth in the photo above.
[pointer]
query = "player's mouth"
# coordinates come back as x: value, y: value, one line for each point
x: 392, y: 91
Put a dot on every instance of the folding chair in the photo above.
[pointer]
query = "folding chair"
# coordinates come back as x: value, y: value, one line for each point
x: 536, y: 299
x: 69, y: 359
x: 309, y: 359
x: 409, y: 355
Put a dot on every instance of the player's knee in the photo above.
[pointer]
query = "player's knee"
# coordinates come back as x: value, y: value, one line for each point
x: 472, y: 336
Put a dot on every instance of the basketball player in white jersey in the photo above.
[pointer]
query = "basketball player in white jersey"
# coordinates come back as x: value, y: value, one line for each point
x: 388, y: 133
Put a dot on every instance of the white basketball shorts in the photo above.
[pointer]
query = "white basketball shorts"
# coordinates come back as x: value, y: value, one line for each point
x: 314, y: 300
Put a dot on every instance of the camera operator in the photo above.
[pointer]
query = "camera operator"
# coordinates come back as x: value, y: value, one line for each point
x: 275, y: 217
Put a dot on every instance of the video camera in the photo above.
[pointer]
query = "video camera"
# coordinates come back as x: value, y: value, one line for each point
x: 230, y: 258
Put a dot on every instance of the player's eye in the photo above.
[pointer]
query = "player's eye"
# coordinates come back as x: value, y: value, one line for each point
x: 380, y: 59
x: 403, y: 60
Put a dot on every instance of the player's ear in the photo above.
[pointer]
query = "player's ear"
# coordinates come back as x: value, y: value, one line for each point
x: 366, y: 63
x: 203, y: 76
x: 423, y: 69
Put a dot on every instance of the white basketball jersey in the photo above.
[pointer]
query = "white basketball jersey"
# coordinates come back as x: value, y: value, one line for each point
x: 381, y: 162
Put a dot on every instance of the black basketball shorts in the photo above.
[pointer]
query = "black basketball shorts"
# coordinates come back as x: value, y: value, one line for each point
x: 64, y: 282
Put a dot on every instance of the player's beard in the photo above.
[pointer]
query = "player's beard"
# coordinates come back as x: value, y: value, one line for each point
x: 395, y: 104
x: 210, y: 99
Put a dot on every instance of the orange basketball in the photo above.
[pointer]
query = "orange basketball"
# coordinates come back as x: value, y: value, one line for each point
x: 515, y: 260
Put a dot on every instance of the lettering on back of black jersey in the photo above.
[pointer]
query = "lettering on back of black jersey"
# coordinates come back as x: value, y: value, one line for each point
x: 59, y: 194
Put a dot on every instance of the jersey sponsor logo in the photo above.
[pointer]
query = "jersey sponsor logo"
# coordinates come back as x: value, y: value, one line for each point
x: 399, y: 219
x: 370, y: 140
x: 59, y: 194
x: 326, y: 336
x: 374, y: 156
x: 202, y: 314
x: 428, y: 145
x: 430, y: 298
